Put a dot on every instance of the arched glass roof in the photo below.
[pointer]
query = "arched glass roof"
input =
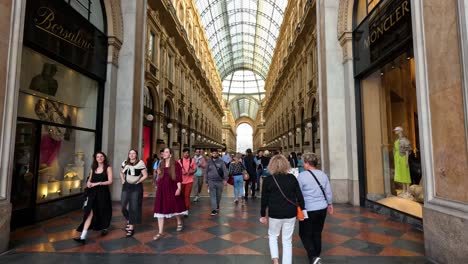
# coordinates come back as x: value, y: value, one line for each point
x: 243, y: 82
x: 244, y: 106
x: 242, y: 36
x: 242, y: 33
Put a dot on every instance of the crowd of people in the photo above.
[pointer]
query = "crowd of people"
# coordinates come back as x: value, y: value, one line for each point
x: 284, y: 194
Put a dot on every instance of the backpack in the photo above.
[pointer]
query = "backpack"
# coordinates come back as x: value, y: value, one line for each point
x: 199, y: 171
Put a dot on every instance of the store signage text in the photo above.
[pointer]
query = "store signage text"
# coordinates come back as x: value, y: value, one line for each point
x: 45, y: 21
x: 388, y: 23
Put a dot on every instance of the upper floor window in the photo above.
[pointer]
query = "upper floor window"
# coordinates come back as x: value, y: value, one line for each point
x: 364, y: 8
x: 91, y: 10
x: 151, y: 46
x: 148, y: 100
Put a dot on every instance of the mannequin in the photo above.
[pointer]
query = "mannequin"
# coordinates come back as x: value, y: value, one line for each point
x: 401, y: 152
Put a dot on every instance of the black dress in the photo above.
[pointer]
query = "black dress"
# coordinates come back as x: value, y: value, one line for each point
x: 98, y: 200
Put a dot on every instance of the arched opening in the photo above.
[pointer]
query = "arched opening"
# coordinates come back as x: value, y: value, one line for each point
x: 167, y: 125
x: 180, y: 132
x: 244, y: 134
x: 148, y: 120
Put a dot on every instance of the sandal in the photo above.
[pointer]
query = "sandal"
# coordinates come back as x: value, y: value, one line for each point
x: 179, y: 227
x: 130, y: 232
x: 158, y: 236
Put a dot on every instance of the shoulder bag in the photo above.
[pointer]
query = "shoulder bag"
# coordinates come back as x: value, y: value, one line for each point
x: 320, y: 185
x: 299, y: 213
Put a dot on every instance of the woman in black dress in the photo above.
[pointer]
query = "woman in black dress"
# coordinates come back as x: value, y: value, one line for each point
x: 98, y: 205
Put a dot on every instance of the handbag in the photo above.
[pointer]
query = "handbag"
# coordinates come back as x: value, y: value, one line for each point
x: 230, y: 180
x: 299, y: 213
x: 245, y: 175
x: 132, y: 179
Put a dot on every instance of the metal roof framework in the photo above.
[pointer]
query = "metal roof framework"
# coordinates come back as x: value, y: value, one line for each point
x: 242, y: 35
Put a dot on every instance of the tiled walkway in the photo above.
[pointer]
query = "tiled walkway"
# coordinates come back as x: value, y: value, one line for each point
x: 353, y: 234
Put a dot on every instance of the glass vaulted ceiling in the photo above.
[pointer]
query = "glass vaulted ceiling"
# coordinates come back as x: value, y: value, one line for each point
x: 242, y: 36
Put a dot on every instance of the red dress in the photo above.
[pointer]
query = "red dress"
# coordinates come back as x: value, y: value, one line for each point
x: 166, y: 204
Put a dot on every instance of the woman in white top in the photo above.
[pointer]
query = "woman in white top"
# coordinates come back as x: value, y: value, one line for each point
x: 316, y: 190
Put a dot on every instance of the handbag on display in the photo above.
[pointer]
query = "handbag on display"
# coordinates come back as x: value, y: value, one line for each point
x: 299, y: 214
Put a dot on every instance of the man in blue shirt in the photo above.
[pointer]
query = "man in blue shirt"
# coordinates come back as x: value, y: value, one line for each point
x: 226, y: 158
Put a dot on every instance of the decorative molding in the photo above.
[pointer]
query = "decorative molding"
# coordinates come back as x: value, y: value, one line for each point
x: 344, y: 31
x: 114, y: 45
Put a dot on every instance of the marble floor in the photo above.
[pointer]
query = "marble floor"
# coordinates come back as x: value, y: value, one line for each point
x: 351, y: 235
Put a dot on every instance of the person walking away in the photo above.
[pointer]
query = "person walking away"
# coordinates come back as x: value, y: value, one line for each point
x: 251, y: 167
x: 98, y: 205
x: 281, y: 195
x: 189, y: 167
x: 169, y: 201
x: 236, y: 169
x: 132, y: 175
x: 317, y: 193
x: 155, y: 168
x: 300, y: 162
x: 226, y: 158
x: 200, y: 172
x: 216, y: 178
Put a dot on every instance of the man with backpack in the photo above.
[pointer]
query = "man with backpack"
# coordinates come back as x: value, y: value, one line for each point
x: 216, y: 178
x: 199, y: 173
x: 189, y: 167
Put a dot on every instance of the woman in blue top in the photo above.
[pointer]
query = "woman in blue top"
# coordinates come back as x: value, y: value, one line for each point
x: 316, y: 190
x: 300, y: 162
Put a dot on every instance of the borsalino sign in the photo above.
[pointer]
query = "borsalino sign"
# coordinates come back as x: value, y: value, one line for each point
x: 57, y: 29
x: 386, y: 29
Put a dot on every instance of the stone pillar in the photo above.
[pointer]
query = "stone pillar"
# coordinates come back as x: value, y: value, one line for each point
x: 337, y: 109
x: 441, y: 78
x: 11, y: 42
x: 124, y: 91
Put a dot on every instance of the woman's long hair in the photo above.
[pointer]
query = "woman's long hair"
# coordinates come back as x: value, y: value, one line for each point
x: 128, y: 162
x: 172, y: 165
x: 95, y: 164
x: 278, y: 165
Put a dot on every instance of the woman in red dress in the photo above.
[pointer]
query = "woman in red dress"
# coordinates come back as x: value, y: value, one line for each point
x: 169, y: 202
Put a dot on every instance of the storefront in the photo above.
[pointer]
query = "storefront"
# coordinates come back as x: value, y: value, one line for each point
x: 390, y: 165
x: 60, y: 102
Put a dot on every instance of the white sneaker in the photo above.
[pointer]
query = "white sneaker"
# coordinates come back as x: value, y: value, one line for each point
x: 196, y: 198
x: 317, y: 260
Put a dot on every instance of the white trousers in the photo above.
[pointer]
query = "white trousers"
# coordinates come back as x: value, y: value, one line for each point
x: 286, y: 226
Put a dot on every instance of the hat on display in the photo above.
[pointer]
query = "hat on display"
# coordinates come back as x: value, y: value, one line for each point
x: 398, y: 129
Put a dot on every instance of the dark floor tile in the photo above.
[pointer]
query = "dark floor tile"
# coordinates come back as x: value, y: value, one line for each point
x: 59, y: 228
x: 120, y: 243
x: 118, y: 219
x: 344, y: 231
x: 259, y: 245
x: 166, y: 244
x: 214, y: 245
x: 387, y: 231
x: 31, y: 241
x: 260, y: 230
x: 363, y: 246
x: 365, y: 220
x: 334, y: 220
x: 68, y: 243
x: 409, y: 245
x: 219, y: 230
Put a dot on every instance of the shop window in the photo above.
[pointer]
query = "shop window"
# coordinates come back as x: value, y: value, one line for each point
x: 63, y: 164
x: 62, y: 104
x: 391, y: 142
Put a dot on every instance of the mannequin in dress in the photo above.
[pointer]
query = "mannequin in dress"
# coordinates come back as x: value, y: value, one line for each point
x: 401, y: 152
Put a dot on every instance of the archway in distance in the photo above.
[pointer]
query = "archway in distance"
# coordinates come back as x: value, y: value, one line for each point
x: 244, y: 137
